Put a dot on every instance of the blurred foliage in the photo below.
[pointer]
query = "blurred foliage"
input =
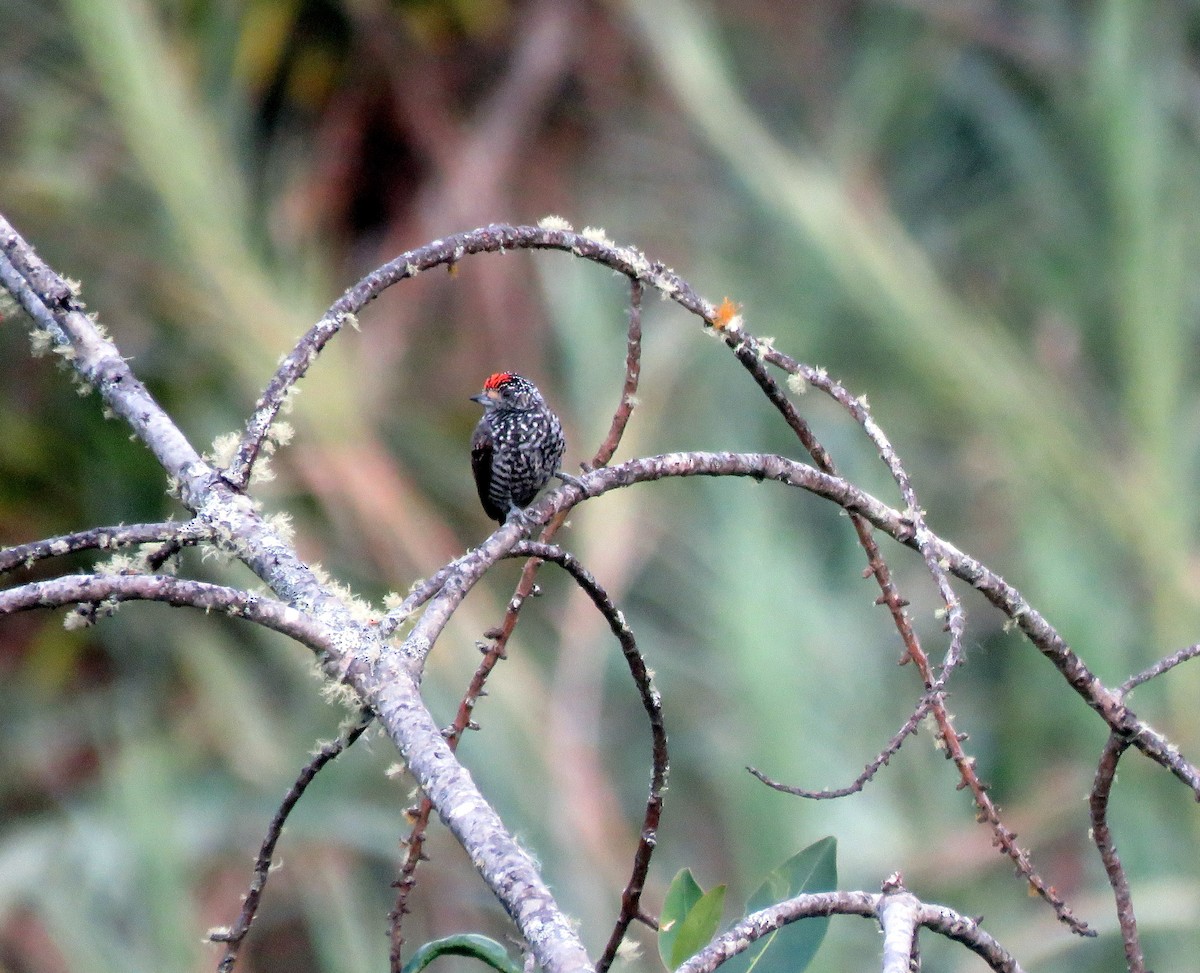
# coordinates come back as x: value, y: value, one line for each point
x: 983, y: 216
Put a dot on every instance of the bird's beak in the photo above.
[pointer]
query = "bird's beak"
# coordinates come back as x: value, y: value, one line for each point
x: 481, y: 398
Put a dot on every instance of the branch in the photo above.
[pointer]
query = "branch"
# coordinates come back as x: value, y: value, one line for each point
x: 633, y: 372
x: 103, y: 539
x: 235, y: 936
x: 898, y: 912
x: 1098, y: 801
x: 388, y: 680
x: 652, y: 702
x: 496, y: 649
x: 1106, y: 774
x: 75, y: 588
x: 940, y: 919
x: 885, y: 755
x: 354, y: 649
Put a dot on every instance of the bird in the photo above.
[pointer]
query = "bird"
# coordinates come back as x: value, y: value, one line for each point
x: 516, y: 447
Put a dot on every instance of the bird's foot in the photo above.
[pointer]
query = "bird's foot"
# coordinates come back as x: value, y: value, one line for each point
x: 519, y: 517
x: 571, y: 480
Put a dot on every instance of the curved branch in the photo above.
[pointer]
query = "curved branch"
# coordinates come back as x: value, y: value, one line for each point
x: 1106, y: 774
x: 495, y: 238
x: 766, y: 466
x: 940, y: 919
x: 652, y: 702
x: 881, y: 760
x: 234, y: 602
x: 235, y: 936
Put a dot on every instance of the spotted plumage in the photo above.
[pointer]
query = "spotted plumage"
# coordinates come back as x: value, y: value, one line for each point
x: 516, y: 447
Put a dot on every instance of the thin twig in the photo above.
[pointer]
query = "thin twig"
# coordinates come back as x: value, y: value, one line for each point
x: 884, y: 757
x: 633, y: 371
x: 1159, y: 668
x: 1106, y: 774
x: 236, y: 935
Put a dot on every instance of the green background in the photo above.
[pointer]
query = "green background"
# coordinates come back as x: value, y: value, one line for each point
x: 983, y: 217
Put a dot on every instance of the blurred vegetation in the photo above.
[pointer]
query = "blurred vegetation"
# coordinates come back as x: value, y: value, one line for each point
x: 983, y: 216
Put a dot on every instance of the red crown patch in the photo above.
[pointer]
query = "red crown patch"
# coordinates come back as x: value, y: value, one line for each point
x: 496, y: 380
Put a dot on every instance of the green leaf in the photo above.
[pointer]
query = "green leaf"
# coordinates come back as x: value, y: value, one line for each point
x: 791, y: 948
x: 464, y: 944
x: 689, y: 919
x: 684, y: 892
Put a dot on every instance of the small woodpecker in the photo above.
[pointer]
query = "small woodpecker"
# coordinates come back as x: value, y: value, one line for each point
x: 516, y: 447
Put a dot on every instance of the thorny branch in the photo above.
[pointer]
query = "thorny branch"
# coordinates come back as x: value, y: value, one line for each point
x: 633, y: 264
x: 387, y: 680
x: 751, y: 352
x: 911, y: 725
